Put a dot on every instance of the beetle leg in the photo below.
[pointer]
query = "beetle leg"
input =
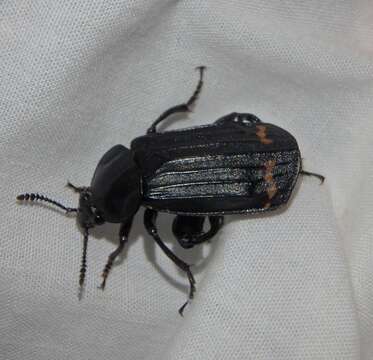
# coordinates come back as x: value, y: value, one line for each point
x: 123, y: 239
x: 216, y: 223
x: 150, y: 217
x: 77, y: 189
x: 241, y: 118
x: 182, y: 107
x: 188, y: 230
x: 320, y: 177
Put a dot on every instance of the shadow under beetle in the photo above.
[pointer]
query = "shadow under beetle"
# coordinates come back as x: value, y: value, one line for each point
x: 238, y: 164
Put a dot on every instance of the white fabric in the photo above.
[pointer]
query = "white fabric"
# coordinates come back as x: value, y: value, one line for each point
x: 80, y: 76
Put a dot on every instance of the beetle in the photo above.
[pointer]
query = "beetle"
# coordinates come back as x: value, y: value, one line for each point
x: 238, y: 164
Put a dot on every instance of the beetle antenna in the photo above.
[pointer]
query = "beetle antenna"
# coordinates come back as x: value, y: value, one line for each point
x: 320, y: 177
x: 37, y: 197
x: 83, y: 267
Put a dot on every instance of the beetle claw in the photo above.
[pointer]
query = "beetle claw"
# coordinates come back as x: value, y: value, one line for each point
x: 201, y: 68
x: 181, y: 310
x: 101, y: 287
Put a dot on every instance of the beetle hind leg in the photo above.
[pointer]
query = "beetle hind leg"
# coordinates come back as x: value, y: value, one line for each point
x: 150, y: 217
x: 186, y: 107
x: 307, y: 173
x: 188, y: 230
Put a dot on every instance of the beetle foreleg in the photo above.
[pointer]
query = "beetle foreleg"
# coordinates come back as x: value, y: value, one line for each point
x: 123, y: 239
x: 186, y: 107
x: 150, y: 217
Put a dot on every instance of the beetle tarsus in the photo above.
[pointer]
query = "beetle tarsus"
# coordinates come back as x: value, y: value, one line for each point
x: 186, y: 107
x: 192, y: 290
x: 106, y: 272
x: 320, y: 177
x: 123, y: 238
x: 181, y: 310
x: 192, y: 283
x: 150, y: 217
x: 198, y: 89
x: 103, y: 284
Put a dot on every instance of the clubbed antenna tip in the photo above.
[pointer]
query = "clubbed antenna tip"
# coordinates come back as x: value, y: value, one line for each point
x: 38, y: 197
x: 21, y: 197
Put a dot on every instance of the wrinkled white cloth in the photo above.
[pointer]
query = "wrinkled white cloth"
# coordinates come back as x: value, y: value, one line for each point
x: 78, y: 77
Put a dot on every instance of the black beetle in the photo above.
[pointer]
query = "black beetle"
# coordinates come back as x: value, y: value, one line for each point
x: 238, y: 164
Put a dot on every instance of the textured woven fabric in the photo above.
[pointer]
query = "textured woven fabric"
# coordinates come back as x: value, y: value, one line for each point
x: 80, y: 76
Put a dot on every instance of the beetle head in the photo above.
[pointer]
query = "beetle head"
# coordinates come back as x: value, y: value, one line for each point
x: 88, y: 215
x: 114, y: 195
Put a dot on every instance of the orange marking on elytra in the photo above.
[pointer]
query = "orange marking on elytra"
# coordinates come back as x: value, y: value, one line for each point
x: 261, y: 133
x: 272, y: 191
x: 267, y: 205
x: 269, y: 181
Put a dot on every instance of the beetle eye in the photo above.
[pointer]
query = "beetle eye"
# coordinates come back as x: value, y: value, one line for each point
x: 99, y: 220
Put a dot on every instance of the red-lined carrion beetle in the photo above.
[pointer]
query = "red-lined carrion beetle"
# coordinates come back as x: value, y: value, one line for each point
x: 238, y: 164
